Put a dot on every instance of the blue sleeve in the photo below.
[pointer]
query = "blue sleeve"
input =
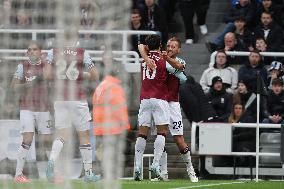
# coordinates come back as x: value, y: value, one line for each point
x: 170, y: 69
x: 19, y: 74
x: 178, y: 73
x: 181, y: 76
x: 49, y: 56
x: 88, y: 61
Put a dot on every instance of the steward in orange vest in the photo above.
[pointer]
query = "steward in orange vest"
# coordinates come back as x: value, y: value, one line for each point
x: 110, y: 113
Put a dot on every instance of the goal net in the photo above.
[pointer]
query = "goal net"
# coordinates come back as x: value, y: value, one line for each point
x: 61, y: 28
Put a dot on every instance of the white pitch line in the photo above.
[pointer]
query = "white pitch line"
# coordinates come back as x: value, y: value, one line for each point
x: 208, y: 185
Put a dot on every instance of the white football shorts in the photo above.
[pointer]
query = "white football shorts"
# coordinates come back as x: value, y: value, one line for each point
x: 30, y: 120
x: 155, y: 109
x: 176, y: 125
x: 72, y: 113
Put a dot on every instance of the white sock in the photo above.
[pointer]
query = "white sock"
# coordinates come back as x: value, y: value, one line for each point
x: 164, y: 163
x: 187, y: 159
x: 139, y: 150
x: 86, y: 153
x: 159, y: 146
x: 21, y: 159
x: 56, y: 149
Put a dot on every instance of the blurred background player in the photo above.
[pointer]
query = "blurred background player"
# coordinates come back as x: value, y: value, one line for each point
x: 110, y: 116
x: 176, y: 124
x: 66, y: 67
x: 34, y: 104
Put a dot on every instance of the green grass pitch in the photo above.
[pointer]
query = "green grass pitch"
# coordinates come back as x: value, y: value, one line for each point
x: 173, y: 184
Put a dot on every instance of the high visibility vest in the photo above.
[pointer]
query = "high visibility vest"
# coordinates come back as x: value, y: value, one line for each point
x: 110, y: 115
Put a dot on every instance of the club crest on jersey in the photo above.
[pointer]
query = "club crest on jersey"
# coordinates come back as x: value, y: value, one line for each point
x: 29, y: 79
x: 70, y: 52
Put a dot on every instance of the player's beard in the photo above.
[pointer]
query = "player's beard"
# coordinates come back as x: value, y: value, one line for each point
x: 34, y: 59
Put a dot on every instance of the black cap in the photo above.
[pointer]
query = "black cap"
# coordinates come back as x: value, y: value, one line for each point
x: 216, y: 79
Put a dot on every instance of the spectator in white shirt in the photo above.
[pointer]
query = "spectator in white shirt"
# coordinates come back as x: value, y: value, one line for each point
x: 228, y: 74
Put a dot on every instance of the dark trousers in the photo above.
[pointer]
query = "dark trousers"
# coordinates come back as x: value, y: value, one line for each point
x: 188, y: 9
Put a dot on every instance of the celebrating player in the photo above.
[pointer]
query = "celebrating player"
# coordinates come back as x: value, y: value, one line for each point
x: 176, y: 124
x: 154, y: 95
x: 70, y: 104
x: 34, y: 104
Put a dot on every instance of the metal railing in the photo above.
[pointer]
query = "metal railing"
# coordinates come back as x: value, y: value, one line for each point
x: 123, y: 33
x: 242, y: 53
x: 129, y: 58
x: 240, y: 125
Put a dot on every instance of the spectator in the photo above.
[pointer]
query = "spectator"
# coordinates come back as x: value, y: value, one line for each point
x: 274, y: 9
x: 155, y: 19
x: 243, y: 138
x: 6, y: 13
x: 249, y: 70
x: 275, y: 71
x: 247, y: 98
x: 221, y: 68
x: 88, y: 17
x: 2, y: 16
x: 138, y: 4
x: 136, y: 24
x: 261, y: 46
x: 243, y: 9
x: 87, y: 13
x: 169, y: 7
x: 257, y: 2
x: 188, y: 9
x: 275, y: 103
x: 243, y: 34
x: 230, y: 44
x: 23, y: 21
x: 220, y: 100
x: 238, y: 114
x: 269, y: 31
x: 194, y: 102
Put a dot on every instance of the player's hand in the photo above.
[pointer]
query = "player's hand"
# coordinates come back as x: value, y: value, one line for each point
x: 151, y: 64
x: 38, y: 80
x: 164, y: 54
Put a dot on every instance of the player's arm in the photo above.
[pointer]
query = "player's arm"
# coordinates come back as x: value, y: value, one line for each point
x: 47, y: 70
x: 17, y: 84
x: 172, y: 61
x: 178, y: 73
x: 144, y: 54
x: 92, y: 73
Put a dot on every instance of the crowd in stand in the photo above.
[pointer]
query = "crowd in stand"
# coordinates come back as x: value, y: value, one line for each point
x: 251, y: 25
x: 225, y: 86
x: 255, y: 26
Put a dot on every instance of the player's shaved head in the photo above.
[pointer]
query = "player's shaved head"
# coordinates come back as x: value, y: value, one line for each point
x: 176, y: 39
